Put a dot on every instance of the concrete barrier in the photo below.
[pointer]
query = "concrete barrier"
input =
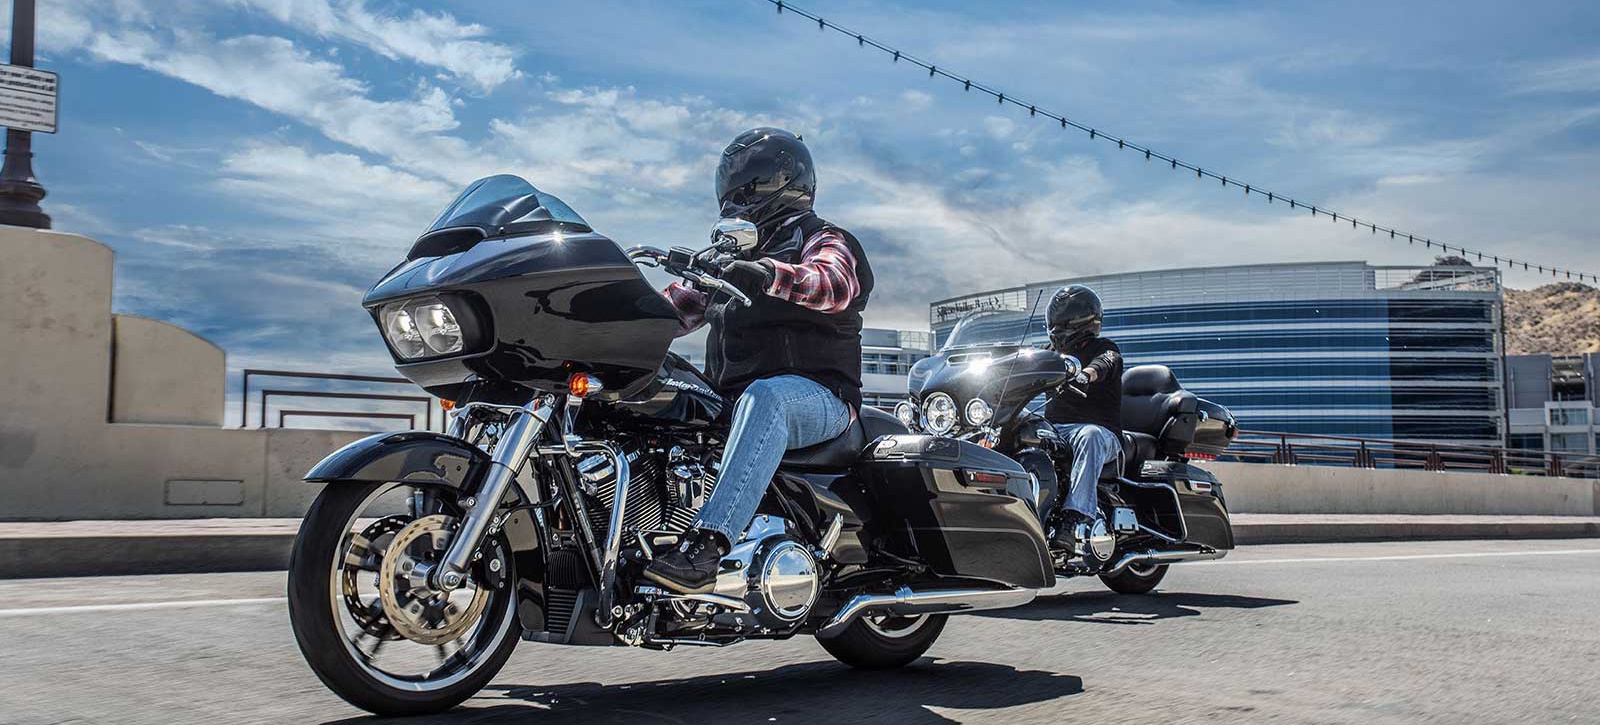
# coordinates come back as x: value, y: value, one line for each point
x: 1273, y: 489
x: 114, y: 417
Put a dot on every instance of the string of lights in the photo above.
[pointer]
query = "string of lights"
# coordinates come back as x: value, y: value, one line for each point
x: 967, y: 84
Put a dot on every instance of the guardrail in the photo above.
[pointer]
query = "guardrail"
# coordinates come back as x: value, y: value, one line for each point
x: 1323, y: 450
x: 266, y: 395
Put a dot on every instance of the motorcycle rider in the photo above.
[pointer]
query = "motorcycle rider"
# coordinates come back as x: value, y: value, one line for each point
x: 1089, y: 418
x: 792, y: 359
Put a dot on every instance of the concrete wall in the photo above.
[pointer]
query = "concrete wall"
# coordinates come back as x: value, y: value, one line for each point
x: 1262, y: 488
x: 120, y: 419
x: 162, y: 373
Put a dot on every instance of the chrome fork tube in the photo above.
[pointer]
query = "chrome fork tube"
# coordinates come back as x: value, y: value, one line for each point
x: 521, y: 432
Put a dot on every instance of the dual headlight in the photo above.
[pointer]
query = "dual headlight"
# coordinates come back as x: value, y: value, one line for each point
x: 419, y: 328
x: 938, y: 414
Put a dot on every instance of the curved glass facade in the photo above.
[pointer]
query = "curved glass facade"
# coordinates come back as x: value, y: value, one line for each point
x: 1340, y: 348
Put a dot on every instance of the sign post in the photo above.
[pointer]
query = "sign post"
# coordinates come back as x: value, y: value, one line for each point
x: 27, y: 103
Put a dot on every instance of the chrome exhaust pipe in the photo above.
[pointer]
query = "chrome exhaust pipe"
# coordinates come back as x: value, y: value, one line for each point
x: 1177, y: 556
x: 907, y: 603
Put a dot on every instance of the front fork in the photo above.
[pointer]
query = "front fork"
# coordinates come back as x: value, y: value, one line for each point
x: 522, y: 431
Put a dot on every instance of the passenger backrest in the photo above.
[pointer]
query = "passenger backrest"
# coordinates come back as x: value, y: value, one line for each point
x: 1155, y: 404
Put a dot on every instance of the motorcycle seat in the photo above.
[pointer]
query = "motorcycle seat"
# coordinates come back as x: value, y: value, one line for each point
x: 1137, y: 448
x: 843, y: 451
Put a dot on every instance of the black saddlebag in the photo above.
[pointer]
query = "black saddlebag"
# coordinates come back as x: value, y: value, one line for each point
x: 1201, y: 512
x: 944, y: 502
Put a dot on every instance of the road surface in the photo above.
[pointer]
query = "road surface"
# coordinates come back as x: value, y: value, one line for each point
x: 1448, y: 632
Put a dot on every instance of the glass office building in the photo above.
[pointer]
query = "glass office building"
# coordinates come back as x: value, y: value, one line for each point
x: 1336, y: 348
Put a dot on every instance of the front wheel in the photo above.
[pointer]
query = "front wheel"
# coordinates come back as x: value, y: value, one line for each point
x: 881, y: 642
x: 1135, y: 578
x: 371, y: 629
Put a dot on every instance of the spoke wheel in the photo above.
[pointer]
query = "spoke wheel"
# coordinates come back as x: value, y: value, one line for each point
x: 367, y: 621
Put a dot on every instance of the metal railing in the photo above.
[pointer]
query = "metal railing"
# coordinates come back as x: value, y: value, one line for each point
x: 1321, y: 450
x: 265, y: 396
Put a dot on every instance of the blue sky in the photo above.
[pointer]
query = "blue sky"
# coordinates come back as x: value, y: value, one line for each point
x: 258, y: 163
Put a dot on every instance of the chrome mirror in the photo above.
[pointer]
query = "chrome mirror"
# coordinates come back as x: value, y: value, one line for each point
x: 734, y: 236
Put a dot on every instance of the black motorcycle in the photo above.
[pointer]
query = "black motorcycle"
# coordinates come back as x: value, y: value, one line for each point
x: 985, y: 387
x: 578, y: 447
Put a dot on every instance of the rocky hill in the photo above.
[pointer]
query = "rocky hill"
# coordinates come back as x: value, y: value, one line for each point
x: 1560, y: 319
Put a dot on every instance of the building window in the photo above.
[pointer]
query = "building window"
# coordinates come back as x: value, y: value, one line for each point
x: 1569, y: 416
x: 1526, y: 441
x: 1569, y: 442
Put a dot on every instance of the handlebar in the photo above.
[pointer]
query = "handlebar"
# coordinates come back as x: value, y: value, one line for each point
x: 689, y: 266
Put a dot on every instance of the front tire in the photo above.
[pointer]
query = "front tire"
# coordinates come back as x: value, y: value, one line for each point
x: 882, y: 643
x: 1135, y: 580
x: 317, y: 617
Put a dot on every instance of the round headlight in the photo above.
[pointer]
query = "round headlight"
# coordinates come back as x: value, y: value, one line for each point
x: 402, y: 332
x: 979, y: 412
x: 907, y: 413
x: 438, y: 327
x: 939, y: 410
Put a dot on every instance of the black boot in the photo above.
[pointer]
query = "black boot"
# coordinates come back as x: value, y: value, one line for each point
x: 1066, y: 536
x: 691, y: 568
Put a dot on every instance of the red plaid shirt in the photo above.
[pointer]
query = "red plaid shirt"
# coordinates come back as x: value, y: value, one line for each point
x: 824, y: 280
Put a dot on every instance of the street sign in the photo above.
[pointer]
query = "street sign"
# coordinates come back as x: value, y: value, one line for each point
x: 27, y: 99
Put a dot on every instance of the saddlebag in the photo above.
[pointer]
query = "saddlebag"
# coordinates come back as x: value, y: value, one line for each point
x: 1203, y: 511
x: 945, y: 502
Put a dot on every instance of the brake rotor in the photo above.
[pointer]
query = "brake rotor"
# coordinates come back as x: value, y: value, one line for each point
x: 365, y: 553
x: 416, y: 610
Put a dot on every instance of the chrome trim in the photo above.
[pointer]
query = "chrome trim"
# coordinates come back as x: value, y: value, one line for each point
x: 830, y: 537
x: 1165, y: 557
x: 619, y: 503
x: 733, y: 603
x: 908, y: 603
x: 510, y: 453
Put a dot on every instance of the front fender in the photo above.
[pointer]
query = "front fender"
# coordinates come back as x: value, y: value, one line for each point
x: 413, y: 457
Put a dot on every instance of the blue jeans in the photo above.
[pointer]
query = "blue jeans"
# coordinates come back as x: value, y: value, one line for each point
x: 1092, y: 448
x: 772, y: 416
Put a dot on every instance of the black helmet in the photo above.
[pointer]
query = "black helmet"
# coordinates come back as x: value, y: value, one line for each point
x: 1074, y: 316
x: 765, y: 173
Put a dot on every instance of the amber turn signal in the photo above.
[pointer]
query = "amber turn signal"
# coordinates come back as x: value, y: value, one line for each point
x: 583, y: 385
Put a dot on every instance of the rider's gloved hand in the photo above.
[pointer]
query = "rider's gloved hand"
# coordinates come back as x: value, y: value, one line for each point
x: 1082, y: 379
x: 752, y: 278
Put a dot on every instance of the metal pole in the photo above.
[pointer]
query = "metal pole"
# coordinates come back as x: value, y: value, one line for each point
x: 20, y: 192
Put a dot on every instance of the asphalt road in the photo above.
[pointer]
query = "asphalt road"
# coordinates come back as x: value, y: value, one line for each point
x: 1451, y: 632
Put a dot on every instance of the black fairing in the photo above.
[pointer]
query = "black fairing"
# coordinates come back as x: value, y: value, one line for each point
x: 413, y: 457
x: 680, y: 395
x: 555, y: 303
x: 1007, y: 377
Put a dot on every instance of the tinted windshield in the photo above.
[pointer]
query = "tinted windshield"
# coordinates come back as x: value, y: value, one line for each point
x: 505, y: 204
x: 992, y: 327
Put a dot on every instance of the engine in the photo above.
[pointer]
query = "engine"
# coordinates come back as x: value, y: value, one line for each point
x: 771, y: 572
x: 665, y: 491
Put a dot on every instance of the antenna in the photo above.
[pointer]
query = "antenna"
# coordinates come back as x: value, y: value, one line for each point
x: 1027, y: 328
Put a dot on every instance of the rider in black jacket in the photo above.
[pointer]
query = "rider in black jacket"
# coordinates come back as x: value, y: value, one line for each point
x: 792, y: 358
x: 1086, y: 412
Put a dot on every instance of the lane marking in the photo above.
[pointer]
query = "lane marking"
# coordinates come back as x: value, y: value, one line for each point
x: 1396, y: 557
x: 195, y: 603
x: 135, y: 607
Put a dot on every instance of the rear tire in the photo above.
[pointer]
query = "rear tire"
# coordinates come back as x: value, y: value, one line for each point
x: 885, y: 643
x: 1133, y: 580
x: 318, y: 631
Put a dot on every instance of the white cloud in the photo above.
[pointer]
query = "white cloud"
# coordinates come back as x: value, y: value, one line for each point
x: 430, y: 39
x: 1569, y: 75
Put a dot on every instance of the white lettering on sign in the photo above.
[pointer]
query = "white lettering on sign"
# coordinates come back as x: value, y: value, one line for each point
x: 27, y: 99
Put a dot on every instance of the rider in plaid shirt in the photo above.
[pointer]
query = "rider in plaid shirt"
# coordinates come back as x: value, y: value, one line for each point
x: 824, y: 280
x: 790, y: 359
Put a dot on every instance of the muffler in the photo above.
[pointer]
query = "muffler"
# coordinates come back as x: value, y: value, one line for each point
x: 1175, y: 556
x: 907, y: 603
